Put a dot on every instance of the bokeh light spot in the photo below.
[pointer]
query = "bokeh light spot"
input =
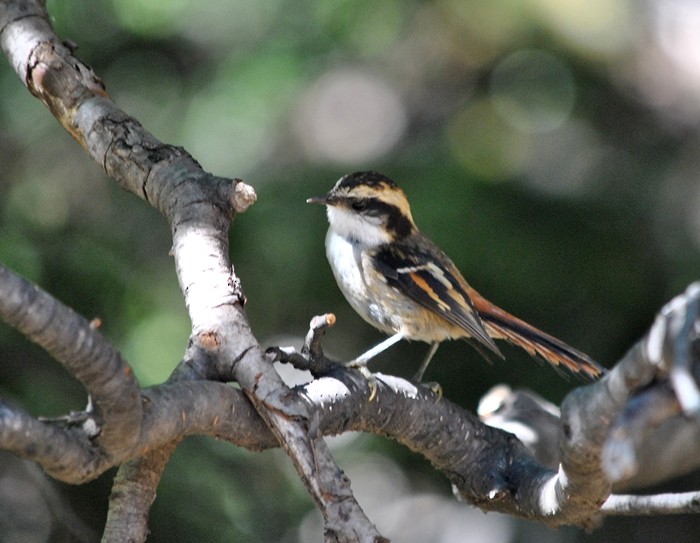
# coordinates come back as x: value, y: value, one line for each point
x: 350, y: 116
x: 155, y: 345
x: 486, y: 145
x: 533, y: 90
x: 152, y: 17
x: 592, y: 26
x: 40, y: 203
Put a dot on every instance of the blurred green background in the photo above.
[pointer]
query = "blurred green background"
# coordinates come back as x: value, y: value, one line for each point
x: 549, y: 146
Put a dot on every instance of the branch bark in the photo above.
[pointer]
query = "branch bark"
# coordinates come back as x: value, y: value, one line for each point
x: 488, y: 467
x: 199, y: 208
x: 138, y: 429
x: 84, y: 352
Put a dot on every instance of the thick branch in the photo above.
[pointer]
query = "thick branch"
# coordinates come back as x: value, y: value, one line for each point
x: 487, y: 467
x: 508, y: 480
x: 129, y: 503
x: 608, y: 428
x: 199, y: 209
x: 71, y: 340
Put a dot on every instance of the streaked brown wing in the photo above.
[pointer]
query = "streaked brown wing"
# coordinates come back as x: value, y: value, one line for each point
x: 426, y: 275
x: 436, y: 285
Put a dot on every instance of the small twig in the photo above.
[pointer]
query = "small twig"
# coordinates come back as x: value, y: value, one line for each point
x: 243, y: 196
x: 311, y: 356
x: 317, y: 329
x: 658, y: 504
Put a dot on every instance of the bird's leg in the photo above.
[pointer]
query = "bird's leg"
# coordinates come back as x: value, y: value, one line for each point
x: 374, y: 351
x: 360, y: 363
x: 418, y: 377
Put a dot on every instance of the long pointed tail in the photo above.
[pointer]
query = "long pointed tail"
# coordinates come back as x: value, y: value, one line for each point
x: 502, y: 325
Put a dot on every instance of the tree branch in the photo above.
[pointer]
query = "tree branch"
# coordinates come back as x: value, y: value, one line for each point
x: 600, y: 432
x: 490, y: 469
x: 659, y: 504
x: 199, y: 208
x: 83, y: 351
x: 494, y: 471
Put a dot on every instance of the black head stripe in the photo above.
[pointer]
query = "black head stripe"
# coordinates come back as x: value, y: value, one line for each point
x: 369, y: 179
x: 399, y: 223
x: 396, y: 221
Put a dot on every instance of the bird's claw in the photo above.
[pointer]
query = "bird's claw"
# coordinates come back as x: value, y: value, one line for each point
x: 435, y: 387
x: 368, y: 375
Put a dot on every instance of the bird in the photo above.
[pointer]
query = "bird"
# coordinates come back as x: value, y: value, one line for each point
x: 403, y: 284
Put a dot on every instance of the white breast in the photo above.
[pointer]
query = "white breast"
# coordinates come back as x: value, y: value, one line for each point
x: 345, y: 258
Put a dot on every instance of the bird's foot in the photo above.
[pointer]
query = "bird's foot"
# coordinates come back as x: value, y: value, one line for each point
x: 433, y: 386
x: 361, y: 366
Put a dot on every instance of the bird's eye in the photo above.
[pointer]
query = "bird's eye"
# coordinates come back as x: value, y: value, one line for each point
x: 359, y: 205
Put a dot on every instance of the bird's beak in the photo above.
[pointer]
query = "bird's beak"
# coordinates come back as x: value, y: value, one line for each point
x: 316, y: 200
x: 326, y: 199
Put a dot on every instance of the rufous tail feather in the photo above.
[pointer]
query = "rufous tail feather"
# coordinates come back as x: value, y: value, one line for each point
x: 502, y: 325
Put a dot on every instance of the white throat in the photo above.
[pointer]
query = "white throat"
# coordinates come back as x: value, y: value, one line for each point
x: 357, y: 228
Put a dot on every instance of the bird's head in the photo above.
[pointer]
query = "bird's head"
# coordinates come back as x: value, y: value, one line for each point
x: 368, y: 208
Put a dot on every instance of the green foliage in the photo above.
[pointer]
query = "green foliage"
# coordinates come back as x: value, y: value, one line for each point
x: 532, y: 142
